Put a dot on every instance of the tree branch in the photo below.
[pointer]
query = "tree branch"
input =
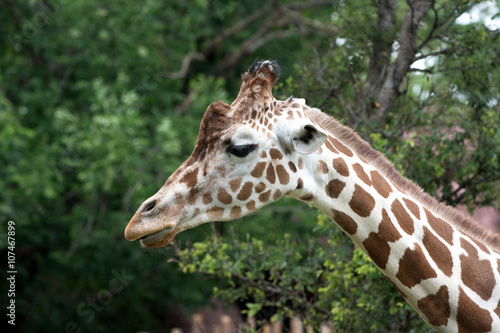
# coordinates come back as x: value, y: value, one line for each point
x: 407, y: 50
x: 282, y: 17
x: 231, y: 31
x: 186, y: 64
x: 317, y: 26
x: 274, y: 27
x: 448, y: 50
x: 435, y: 25
x: 250, y: 45
x: 382, y: 45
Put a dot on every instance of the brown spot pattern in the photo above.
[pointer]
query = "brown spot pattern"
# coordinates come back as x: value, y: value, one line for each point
x: 235, y: 212
x: 245, y: 191
x: 224, y: 197
x: 481, y: 246
x: 215, y: 212
x: 497, y: 310
x: 436, y: 307
x: 470, y: 317
x: 271, y: 174
x: 292, y: 167
x: 340, y: 166
x: 414, y: 268
x: 283, y: 176
x: 330, y: 147
x: 362, y: 203
x: 265, y: 196
x: 362, y: 174
x: 251, y: 205
x: 190, y: 178
x: 377, y: 244
x: 412, y: 207
x: 345, y: 222
x: 404, y: 219
x: 386, y: 229
x: 442, y: 228
x: 378, y: 249
x: 439, y: 252
x: 380, y: 184
x: 307, y: 197
x: 301, y: 163
x: 300, y: 183
x: 277, y: 195
x: 235, y: 184
x: 476, y: 274
x: 340, y: 147
x: 275, y: 154
x: 471, y: 250
x: 260, y: 187
x: 207, y: 198
x: 258, y: 170
x: 334, y: 188
x: 322, y: 167
x: 191, y: 197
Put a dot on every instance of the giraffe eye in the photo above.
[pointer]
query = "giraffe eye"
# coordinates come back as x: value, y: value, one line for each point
x: 240, y: 150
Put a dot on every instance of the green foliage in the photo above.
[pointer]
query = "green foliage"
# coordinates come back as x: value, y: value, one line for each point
x: 320, y: 277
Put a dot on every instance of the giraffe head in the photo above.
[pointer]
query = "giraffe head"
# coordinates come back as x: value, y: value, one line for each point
x: 247, y: 155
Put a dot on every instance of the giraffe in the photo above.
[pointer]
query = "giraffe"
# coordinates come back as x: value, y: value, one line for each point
x: 260, y: 149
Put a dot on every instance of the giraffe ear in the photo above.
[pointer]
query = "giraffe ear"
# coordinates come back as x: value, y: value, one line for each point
x: 304, y: 139
x: 307, y: 139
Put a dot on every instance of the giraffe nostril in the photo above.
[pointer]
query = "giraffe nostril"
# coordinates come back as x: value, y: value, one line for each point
x: 150, y: 206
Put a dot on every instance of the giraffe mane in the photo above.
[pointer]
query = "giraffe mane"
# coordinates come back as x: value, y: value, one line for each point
x: 365, y: 151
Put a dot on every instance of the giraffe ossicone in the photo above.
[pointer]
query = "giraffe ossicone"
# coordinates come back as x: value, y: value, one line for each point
x: 259, y: 149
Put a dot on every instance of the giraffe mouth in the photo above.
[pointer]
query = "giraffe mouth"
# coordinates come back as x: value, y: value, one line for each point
x: 158, y: 239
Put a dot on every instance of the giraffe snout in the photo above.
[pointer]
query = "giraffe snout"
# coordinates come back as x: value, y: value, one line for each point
x: 133, y: 230
x: 154, y: 223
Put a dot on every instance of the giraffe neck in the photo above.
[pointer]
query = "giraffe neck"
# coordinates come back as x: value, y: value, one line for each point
x: 450, y: 276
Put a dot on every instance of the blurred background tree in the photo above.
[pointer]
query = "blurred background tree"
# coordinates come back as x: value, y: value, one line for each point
x: 100, y: 102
